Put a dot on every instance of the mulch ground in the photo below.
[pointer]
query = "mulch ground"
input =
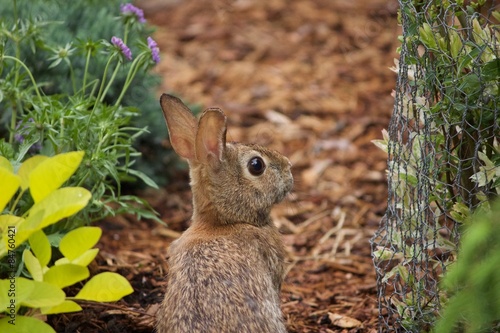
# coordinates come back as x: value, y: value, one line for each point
x: 309, y: 79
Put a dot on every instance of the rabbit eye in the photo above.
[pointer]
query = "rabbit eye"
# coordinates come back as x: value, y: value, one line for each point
x: 256, y: 166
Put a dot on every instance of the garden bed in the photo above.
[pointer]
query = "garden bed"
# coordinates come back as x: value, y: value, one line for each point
x: 308, y: 78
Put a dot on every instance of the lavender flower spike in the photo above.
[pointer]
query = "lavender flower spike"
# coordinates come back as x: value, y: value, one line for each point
x: 129, y: 9
x: 118, y: 42
x: 155, y: 50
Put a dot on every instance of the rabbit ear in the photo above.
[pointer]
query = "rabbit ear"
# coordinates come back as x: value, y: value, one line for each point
x: 211, y: 137
x: 181, y: 124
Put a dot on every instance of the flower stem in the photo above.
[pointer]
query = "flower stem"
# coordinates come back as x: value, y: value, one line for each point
x: 125, y: 33
x: 130, y: 76
x: 118, y: 65
x: 87, y: 61
x: 99, y: 94
x: 72, y: 75
x: 28, y: 72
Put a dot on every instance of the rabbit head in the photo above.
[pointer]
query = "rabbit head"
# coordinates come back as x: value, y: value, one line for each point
x: 231, y: 182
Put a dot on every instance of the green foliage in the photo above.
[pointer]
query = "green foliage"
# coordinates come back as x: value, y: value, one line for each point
x: 443, y: 146
x: 51, y: 38
x: 473, y: 281
x: 64, y: 88
x: 33, y: 277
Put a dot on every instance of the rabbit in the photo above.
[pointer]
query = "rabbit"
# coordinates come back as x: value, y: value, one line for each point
x: 226, y: 270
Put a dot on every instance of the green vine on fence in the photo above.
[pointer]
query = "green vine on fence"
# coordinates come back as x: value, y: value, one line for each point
x: 443, y: 147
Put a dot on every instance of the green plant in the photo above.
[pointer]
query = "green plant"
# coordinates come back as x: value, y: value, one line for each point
x: 33, y: 276
x: 473, y: 282
x: 444, y: 153
x: 83, y: 108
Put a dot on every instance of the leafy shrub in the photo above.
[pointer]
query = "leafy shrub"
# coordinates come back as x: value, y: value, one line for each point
x: 71, y: 96
x: 61, y: 93
x: 473, y: 280
x: 33, y: 277
x: 444, y: 151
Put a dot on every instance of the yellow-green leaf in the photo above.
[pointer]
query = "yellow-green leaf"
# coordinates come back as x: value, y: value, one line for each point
x: 50, y: 174
x: 23, y: 229
x: 496, y: 15
x: 105, y: 287
x: 17, y: 288
x: 427, y: 36
x: 24, y: 324
x: 40, y: 246
x: 79, y: 240
x: 455, y: 43
x: 5, y: 163
x: 8, y: 228
x: 10, y: 183
x: 5, y: 298
x: 65, y: 275
x: 25, y: 169
x: 64, y: 307
x: 33, y: 265
x: 44, y: 295
x: 61, y: 203
x: 62, y: 261
x: 86, y: 258
x: 8, y: 220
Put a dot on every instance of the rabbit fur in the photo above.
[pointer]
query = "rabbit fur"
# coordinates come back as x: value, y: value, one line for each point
x: 226, y: 270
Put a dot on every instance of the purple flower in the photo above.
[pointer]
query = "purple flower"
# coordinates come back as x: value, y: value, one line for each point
x: 155, y: 50
x: 18, y: 135
x: 23, y: 129
x: 19, y: 138
x: 129, y: 9
x: 118, y: 42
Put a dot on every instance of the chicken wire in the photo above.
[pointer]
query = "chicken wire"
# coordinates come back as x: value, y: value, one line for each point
x: 443, y: 153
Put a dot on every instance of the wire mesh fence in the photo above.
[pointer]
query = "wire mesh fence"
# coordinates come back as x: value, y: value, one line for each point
x: 443, y: 152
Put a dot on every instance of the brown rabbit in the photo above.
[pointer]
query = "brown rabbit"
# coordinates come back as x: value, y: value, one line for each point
x: 226, y: 269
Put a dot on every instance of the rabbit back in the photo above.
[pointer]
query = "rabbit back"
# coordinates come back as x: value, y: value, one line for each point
x: 227, y: 281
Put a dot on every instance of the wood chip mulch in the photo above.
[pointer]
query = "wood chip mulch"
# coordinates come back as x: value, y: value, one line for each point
x: 309, y: 79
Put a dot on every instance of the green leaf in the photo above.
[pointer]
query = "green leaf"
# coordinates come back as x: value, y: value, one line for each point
x: 29, y: 165
x: 427, y: 36
x: 142, y: 176
x: 105, y: 287
x: 51, y: 173
x: 79, y: 240
x: 24, y: 148
x: 66, y: 275
x: 23, y: 324
x: 40, y: 246
x: 491, y: 70
x: 44, y: 295
x: 64, y: 307
x: 496, y: 15
x: 455, y: 43
x: 6, y: 149
x: 33, y: 265
x: 10, y: 183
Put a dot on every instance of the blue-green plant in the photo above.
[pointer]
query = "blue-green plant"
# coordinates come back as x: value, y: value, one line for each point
x: 85, y: 111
